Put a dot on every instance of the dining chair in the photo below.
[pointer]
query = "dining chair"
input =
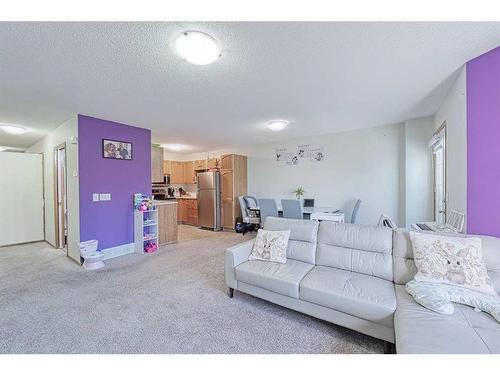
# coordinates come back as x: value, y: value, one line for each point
x: 267, y: 208
x: 308, y: 202
x: 251, y: 201
x: 355, y: 210
x: 386, y: 221
x: 456, y: 219
x: 246, y: 215
x: 292, y: 209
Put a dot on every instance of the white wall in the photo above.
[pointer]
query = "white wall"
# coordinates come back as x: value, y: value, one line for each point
x: 46, y: 147
x: 363, y: 164
x: 418, y: 170
x: 21, y: 184
x: 454, y: 112
x: 389, y: 168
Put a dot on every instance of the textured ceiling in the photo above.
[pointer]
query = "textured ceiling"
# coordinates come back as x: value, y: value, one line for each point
x: 323, y: 77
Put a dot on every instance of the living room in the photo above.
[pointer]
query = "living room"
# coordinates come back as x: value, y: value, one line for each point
x: 262, y: 187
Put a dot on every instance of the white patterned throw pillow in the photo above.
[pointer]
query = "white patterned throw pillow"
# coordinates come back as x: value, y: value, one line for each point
x: 451, y: 260
x: 270, y: 245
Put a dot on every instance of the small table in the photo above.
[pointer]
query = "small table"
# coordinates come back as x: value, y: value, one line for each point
x: 338, y: 217
x: 317, y: 213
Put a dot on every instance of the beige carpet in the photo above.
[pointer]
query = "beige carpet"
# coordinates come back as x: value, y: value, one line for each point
x: 172, y: 301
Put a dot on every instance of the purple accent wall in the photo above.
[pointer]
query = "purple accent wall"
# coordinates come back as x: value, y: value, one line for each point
x: 111, y: 222
x: 483, y: 144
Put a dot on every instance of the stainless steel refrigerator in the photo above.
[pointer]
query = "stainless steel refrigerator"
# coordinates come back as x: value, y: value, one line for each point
x: 209, y: 200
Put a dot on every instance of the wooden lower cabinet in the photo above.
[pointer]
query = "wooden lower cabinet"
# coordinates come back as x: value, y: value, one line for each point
x: 167, y: 223
x: 187, y: 211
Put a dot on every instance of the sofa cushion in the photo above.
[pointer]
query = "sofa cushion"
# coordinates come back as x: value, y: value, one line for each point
x: 303, y: 237
x: 358, y: 248
x: 420, y: 330
x: 356, y: 294
x: 404, y: 265
x: 450, y: 260
x: 283, y: 278
x: 270, y: 245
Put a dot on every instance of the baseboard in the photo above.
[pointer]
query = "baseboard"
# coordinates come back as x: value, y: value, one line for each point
x: 118, y: 251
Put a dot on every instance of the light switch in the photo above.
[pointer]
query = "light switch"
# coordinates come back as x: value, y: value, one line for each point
x: 95, y: 197
x: 105, y: 197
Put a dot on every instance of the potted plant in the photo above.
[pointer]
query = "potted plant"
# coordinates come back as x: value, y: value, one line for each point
x: 299, y: 192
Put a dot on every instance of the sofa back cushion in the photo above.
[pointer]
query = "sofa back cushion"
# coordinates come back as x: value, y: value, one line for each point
x: 404, y: 265
x: 303, y: 237
x: 358, y: 248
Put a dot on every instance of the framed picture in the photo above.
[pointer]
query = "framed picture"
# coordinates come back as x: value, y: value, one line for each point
x: 112, y: 149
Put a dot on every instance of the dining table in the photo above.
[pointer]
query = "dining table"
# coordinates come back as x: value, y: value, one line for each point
x: 315, y: 213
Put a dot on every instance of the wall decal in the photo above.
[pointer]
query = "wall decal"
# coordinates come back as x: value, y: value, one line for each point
x: 302, y: 153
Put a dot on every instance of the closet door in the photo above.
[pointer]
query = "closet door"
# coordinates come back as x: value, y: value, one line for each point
x: 21, y: 184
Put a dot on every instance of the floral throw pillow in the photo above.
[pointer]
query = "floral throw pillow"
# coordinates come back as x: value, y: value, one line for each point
x: 270, y: 245
x: 451, y: 260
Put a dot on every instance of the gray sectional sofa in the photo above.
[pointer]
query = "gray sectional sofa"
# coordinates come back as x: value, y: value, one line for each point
x: 354, y: 275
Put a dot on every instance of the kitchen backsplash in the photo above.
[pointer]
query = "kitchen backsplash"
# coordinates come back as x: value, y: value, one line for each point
x: 192, y: 188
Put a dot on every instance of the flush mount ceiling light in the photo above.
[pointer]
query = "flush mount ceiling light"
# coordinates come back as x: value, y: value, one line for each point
x: 197, y: 48
x: 174, y: 147
x: 13, y: 129
x: 277, y: 125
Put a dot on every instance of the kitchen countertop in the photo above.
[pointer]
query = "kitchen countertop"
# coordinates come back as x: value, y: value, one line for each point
x: 160, y: 202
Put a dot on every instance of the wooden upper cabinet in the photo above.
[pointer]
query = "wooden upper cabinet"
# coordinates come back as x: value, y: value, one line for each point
x: 212, y: 163
x: 177, y: 175
x: 200, y: 165
x: 157, y: 164
x: 167, y: 167
x: 226, y: 161
x: 189, y: 174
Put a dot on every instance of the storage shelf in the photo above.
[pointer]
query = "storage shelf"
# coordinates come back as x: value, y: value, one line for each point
x: 142, y: 235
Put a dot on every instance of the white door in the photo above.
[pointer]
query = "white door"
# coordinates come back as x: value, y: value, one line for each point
x: 21, y: 185
x: 61, y: 203
x: 439, y: 174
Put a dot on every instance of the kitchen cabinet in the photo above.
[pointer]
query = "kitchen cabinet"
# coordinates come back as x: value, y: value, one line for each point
x: 233, y: 185
x: 187, y: 210
x: 184, y: 172
x: 200, y: 165
x: 189, y: 173
x: 177, y: 175
x: 167, y: 222
x: 226, y: 161
x: 157, y: 164
x: 167, y: 167
x: 212, y: 163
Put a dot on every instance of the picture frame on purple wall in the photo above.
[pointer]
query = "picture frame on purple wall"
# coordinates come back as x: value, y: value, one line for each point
x: 113, y: 149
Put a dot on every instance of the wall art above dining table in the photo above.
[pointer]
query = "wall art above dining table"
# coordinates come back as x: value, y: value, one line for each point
x: 300, y: 154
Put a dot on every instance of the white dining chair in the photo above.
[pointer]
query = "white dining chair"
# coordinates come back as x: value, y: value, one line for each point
x: 456, y: 219
x: 386, y: 221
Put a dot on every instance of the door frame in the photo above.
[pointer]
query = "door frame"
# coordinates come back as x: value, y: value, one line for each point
x: 56, y: 193
x: 440, y: 133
